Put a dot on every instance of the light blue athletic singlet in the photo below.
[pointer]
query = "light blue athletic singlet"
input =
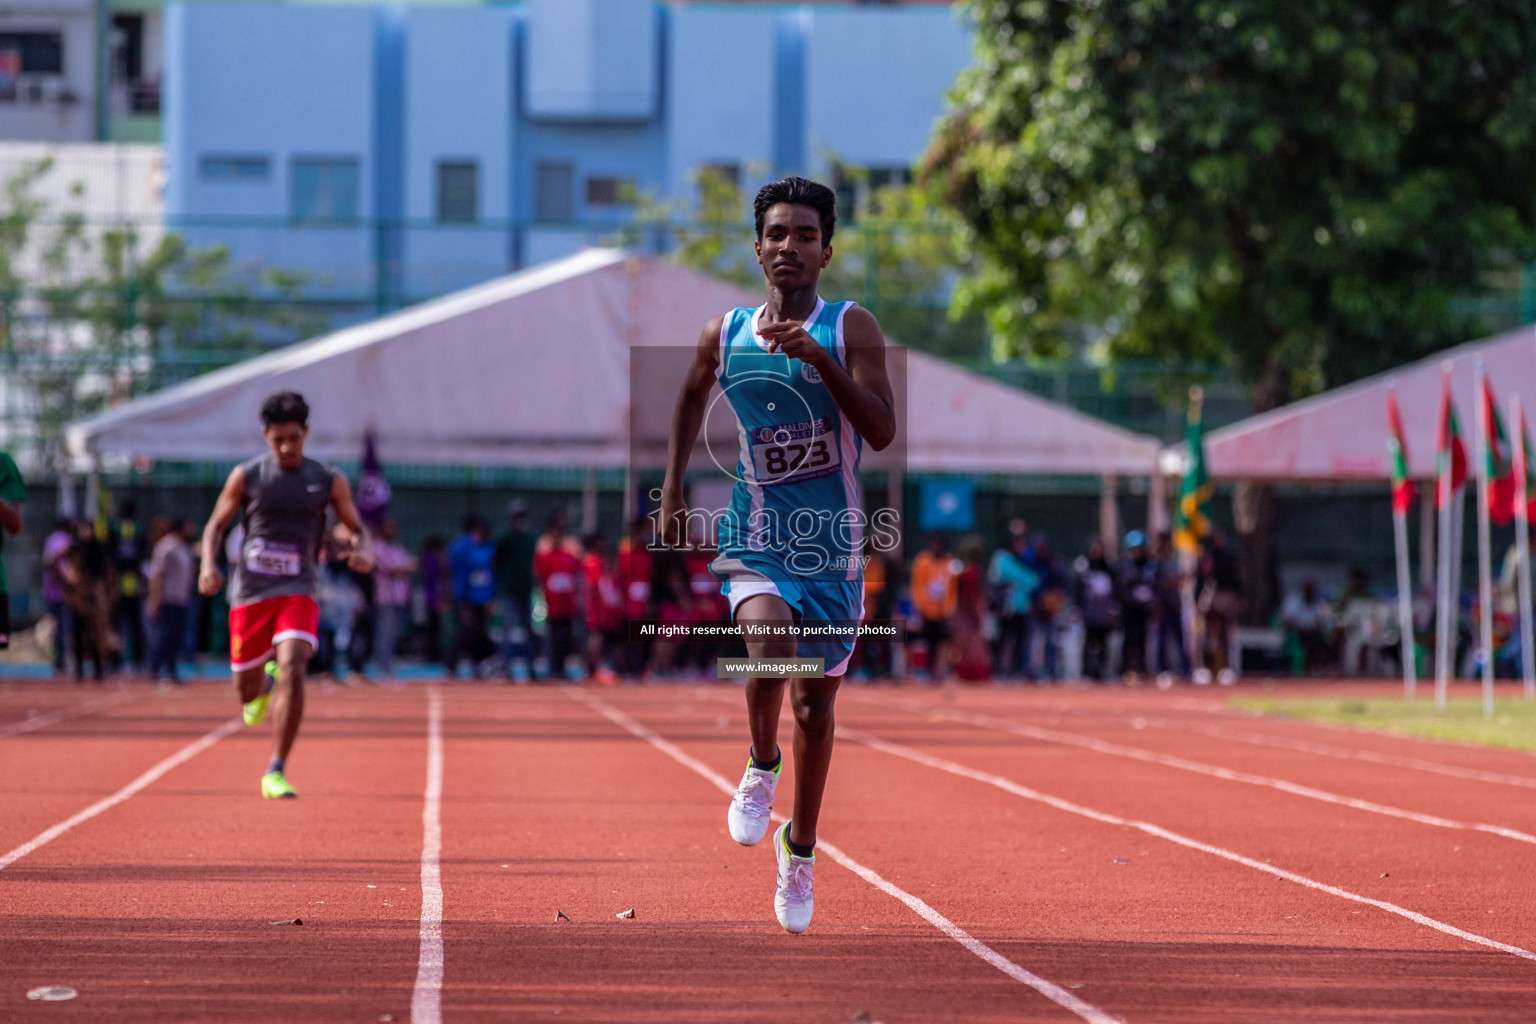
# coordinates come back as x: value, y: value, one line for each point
x: 795, y: 508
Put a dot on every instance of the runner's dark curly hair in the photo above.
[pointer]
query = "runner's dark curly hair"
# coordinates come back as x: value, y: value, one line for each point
x: 797, y: 192
x: 285, y: 407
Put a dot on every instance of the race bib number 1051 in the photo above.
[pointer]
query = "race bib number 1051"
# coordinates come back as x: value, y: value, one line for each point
x: 791, y: 452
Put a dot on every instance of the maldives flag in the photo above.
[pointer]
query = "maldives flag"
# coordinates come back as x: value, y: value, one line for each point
x: 1402, y: 486
x: 1450, y: 452
x: 1522, y: 465
x: 1496, y: 461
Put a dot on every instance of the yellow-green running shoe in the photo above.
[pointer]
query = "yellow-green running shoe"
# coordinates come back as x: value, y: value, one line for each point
x: 275, y: 787
x: 255, y: 711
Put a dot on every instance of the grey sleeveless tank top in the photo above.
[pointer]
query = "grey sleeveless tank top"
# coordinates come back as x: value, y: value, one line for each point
x: 284, y: 521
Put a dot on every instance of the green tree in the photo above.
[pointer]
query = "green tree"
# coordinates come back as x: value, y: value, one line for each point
x: 1300, y: 188
x: 91, y: 316
x: 898, y: 253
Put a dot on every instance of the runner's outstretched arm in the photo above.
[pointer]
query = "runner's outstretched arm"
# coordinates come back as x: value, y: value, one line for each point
x: 687, y: 417
x: 209, y: 580
x: 361, y: 558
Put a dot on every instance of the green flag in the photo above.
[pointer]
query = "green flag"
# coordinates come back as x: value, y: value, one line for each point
x: 1191, y: 520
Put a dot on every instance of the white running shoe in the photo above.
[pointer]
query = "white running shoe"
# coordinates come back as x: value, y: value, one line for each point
x: 752, y: 805
x: 793, y: 902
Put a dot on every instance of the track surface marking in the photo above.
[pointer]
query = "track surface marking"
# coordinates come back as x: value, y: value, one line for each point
x: 427, y: 997
x: 1055, y: 993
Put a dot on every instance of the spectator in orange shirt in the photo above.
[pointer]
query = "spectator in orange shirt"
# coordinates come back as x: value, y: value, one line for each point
x: 935, y: 592
x: 557, y: 565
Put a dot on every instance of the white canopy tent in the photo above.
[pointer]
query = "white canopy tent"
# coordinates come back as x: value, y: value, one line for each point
x: 534, y: 369
x: 1342, y: 434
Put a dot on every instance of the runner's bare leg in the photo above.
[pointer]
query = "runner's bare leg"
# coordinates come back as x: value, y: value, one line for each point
x: 288, y: 696
x: 811, y: 702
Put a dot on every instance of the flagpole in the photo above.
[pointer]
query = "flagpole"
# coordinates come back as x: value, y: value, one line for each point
x: 1400, y: 535
x: 1443, y: 604
x: 1484, y: 540
x: 1523, y: 546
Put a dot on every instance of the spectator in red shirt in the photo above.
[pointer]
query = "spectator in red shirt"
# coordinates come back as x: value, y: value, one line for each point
x: 557, y: 565
x: 634, y: 565
x: 603, y: 603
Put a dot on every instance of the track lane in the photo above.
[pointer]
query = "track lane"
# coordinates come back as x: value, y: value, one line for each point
x: 593, y: 821
x: 158, y: 910
x: 1175, y: 935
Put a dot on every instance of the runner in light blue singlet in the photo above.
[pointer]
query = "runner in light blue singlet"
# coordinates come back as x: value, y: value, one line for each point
x: 789, y: 530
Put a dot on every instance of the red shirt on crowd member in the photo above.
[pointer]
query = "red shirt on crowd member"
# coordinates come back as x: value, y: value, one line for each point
x: 603, y: 601
x: 708, y: 602
x: 635, y: 578
x: 557, y: 564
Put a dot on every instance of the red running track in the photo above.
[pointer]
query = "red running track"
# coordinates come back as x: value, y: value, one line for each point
x: 988, y: 855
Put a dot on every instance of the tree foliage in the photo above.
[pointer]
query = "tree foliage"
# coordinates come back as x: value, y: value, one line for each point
x: 1303, y: 188
x: 91, y: 315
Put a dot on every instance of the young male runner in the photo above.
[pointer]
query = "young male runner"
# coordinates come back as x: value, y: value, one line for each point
x: 282, y: 497
x: 806, y: 380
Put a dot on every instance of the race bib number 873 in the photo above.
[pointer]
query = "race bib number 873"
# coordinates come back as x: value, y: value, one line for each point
x: 791, y: 452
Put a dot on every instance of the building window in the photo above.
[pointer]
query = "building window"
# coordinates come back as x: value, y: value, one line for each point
x: 325, y: 189
x: 554, y: 192
x: 857, y: 187
x: 610, y: 191
x: 458, y: 191
x: 234, y: 167
x: 38, y: 53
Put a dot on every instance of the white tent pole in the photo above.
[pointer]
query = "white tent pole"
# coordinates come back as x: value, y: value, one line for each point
x: 1157, y: 502
x: 1443, y: 632
x: 1523, y: 547
x: 1109, y: 515
x: 1458, y: 548
x: 1484, y: 541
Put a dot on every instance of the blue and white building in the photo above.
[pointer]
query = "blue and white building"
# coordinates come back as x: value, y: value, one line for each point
x: 399, y: 152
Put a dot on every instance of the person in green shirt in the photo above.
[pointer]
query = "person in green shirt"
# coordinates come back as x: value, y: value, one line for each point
x: 13, y: 491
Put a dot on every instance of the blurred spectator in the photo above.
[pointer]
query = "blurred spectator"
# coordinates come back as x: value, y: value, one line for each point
x: 708, y: 605
x: 87, y: 574
x: 434, y: 595
x: 1013, y: 583
x: 603, y: 607
x: 935, y: 575
x: 634, y: 565
x: 393, y: 568
x: 557, y: 565
x: 873, y: 657
x: 1050, y: 606
x: 672, y: 599
x: 13, y: 492
x: 1218, y: 600
x: 129, y: 556
x: 1172, y: 649
x: 514, y: 575
x: 1138, y: 590
x: 471, y: 561
x: 55, y: 547
x: 340, y: 604
x: 1306, y: 615
x: 172, y: 577
x: 1098, y: 602
x: 973, y: 658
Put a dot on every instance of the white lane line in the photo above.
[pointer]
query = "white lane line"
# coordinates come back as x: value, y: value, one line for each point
x: 37, y: 722
x: 1055, y: 993
x: 1009, y: 786
x: 427, y: 998
x: 1217, y: 772
x: 1348, y: 754
x: 181, y: 756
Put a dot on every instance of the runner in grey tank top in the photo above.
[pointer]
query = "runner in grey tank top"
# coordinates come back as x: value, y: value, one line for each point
x: 284, y: 521
x: 274, y: 620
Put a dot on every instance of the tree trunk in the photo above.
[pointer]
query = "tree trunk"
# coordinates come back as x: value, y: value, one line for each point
x: 1253, y: 512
